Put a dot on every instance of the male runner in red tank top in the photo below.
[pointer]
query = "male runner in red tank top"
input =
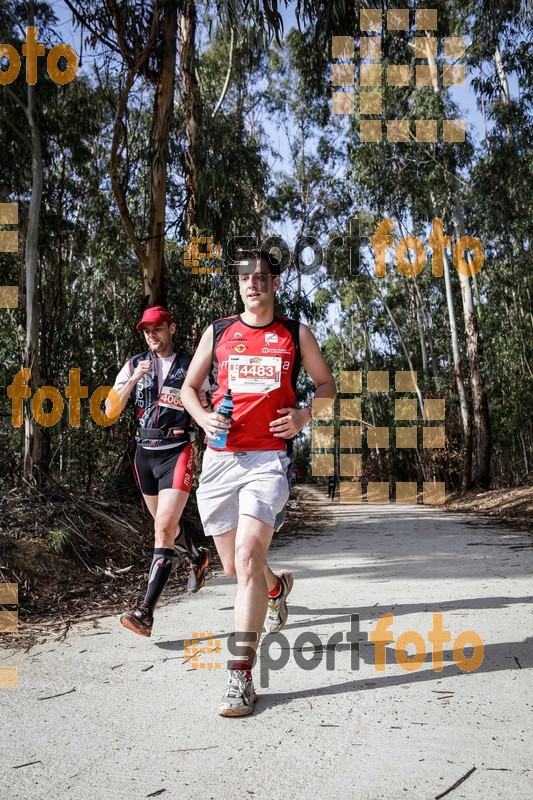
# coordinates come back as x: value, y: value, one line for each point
x: 244, y: 487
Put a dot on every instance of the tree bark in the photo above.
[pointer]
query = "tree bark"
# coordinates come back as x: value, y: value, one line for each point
x: 191, y: 105
x: 474, y: 350
x: 33, y: 440
x: 161, y: 48
x: 428, y: 331
x: 159, y: 136
x: 466, y: 480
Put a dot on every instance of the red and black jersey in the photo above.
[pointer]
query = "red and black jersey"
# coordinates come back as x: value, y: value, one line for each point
x: 260, y: 365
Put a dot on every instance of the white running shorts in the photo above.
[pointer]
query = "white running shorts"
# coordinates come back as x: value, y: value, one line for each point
x: 252, y: 482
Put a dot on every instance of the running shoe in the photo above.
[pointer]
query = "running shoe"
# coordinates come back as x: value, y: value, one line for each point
x: 139, y: 620
x: 240, y: 696
x: 196, y: 569
x: 277, y: 612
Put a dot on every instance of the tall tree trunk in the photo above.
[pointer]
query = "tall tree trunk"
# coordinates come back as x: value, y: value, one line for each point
x: 159, y: 135
x: 191, y: 105
x: 404, y: 348
x: 33, y: 440
x: 421, y: 325
x: 466, y: 480
x: 428, y: 329
x: 474, y: 350
x: 161, y: 49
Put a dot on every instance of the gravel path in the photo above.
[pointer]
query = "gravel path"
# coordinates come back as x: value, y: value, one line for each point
x: 108, y: 715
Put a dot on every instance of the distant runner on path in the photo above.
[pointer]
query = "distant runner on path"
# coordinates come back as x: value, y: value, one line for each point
x: 244, y: 485
x: 164, y: 459
x: 332, y: 485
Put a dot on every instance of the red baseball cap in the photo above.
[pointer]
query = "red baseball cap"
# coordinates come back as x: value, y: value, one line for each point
x: 153, y: 316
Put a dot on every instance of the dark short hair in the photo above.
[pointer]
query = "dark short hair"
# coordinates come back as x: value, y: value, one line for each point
x: 260, y: 255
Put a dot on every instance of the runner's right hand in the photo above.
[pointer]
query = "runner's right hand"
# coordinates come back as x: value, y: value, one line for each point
x: 142, y: 368
x: 214, y: 423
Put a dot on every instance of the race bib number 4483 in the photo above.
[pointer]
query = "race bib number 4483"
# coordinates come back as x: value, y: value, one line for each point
x: 256, y: 374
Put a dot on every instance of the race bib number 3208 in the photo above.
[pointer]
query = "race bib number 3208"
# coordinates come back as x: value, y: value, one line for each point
x: 256, y: 374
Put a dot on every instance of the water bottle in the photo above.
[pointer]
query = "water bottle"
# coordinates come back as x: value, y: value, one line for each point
x: 225, y: 408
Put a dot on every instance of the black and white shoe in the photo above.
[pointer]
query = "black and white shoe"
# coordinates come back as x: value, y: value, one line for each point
x: 240, y: 696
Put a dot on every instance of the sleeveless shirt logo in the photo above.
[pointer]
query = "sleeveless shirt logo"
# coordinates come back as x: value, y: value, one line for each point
x: 275, y: 350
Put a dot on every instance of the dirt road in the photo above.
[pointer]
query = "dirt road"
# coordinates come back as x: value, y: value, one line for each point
x: 106, y: 715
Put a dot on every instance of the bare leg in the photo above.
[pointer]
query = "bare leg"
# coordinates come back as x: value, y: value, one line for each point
x: 168, y: 510
x: 225, y: 544
x: 252, y: 541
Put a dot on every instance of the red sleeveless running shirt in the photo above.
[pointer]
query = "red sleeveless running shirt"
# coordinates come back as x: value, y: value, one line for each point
x: 260, y: 365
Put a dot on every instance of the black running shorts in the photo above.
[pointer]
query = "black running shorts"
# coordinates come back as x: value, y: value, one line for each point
x: 168, y: 468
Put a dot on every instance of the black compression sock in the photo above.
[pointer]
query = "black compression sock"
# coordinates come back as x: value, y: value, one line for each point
x: 159, y: 575
x: 184, y: 543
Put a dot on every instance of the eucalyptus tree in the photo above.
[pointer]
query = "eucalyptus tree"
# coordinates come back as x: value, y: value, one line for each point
x: 498, y: 200
x: 139, y: 42
x: 22, y: 114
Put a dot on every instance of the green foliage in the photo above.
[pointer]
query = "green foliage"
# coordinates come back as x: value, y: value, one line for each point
x: 90, y: 281
x: 60, y: 540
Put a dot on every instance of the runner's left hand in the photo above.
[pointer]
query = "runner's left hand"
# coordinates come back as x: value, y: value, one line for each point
x: 291, y: 423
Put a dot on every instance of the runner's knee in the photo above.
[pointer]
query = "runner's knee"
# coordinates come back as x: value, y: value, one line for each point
x: 248, y: 562
x: 165, y: 532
